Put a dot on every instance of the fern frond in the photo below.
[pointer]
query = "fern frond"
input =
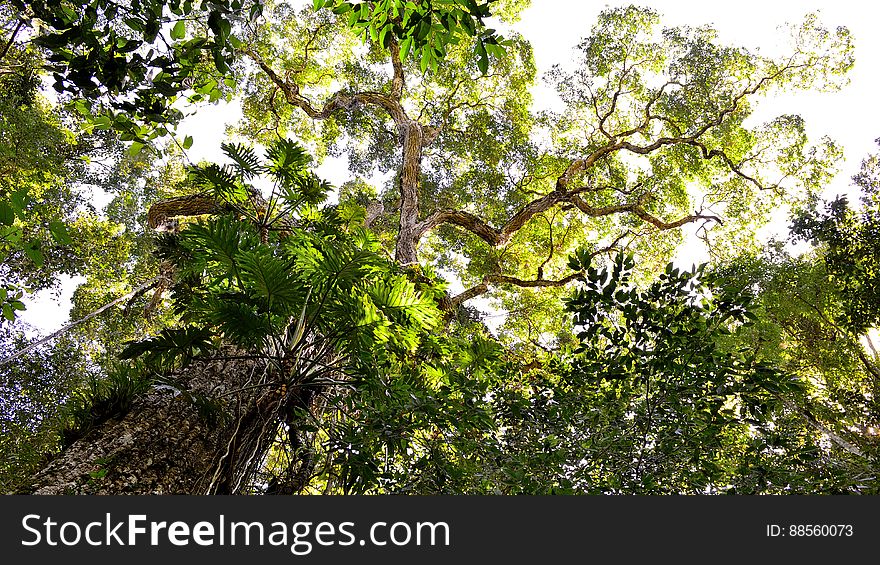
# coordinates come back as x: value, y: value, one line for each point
x: 398, y: 297
x: 240, y: 322
x: 221, y: 182
x: 268, y: 277
x: 306, y: 187
x: 247, y: 164
x: 287, y: 160
x: 219, y: 241
x: 171, y: 347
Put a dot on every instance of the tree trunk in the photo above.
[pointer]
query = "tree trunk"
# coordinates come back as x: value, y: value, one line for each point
x: 206, y: 437
x: 407, y: 237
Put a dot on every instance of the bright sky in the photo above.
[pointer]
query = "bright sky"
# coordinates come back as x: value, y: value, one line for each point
x: 555, y: 27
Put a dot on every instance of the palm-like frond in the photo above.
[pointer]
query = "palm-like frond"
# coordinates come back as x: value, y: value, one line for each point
x: 240, y: 322
x: 287, y: 161
x: 170, y: 347
x: 398, y: 298
x: 219, y: 241
x: 245, y: 159
x: 222, y: 182
x: 267, y: 276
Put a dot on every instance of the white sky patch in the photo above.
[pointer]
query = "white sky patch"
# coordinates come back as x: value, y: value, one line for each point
x: 48, y: 310
x: 208, y: 129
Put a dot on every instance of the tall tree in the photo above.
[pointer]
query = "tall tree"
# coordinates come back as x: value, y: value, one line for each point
x: 296, y: 340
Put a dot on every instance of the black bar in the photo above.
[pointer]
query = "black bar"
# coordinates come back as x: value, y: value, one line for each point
x: 512, y: 529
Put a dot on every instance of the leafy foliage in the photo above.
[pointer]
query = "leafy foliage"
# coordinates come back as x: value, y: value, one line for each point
x: 746, y: 377
x: 101, y: 398
x: 33, y: 392
x: 848, y: 239
x: 170, y: 346
x: 422, y: 29
x: 650, y: 402
x: 46, y: 226
x: 135, y: 58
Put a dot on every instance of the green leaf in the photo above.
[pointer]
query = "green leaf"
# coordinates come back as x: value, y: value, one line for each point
x: 268, y: 277
x: 217, y: 241
x: 246, y: 161
x: 482, y: 57
x: 59, y: 233
x: 187, y: 142
x: 19, y: 200
x: 405, y: 46
x: 32, y: 250
x: 102, y: 122
x: 170, y: 347
x: 7, y: 215
x: 425, y: 60
x: 179, y: 30
x: 136, y: 148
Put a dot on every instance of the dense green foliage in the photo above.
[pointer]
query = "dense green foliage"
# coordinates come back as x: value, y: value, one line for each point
x: 612, y: 371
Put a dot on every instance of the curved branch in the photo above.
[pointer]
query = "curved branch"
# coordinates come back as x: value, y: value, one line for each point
x: 498, y: 278
x: 483, y: 287
x: 466, y: 220
x: 498, y: 237
x: 468, y: 294
x: 336, y: 102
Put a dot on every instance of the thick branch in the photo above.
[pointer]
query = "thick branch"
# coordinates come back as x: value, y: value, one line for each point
x: 468, y: 294
x: 196, y: 205
x: 483, y: 287
x: 497, y: 237
x: 397, y: 83
x: 465, y: 220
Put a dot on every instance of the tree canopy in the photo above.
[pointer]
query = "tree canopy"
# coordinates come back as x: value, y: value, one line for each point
x: 305, y: 338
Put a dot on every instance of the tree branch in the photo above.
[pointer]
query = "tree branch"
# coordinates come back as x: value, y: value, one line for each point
x: 398, y: 82
x: 336, y: 102
x: 497, y: 237
x: 498, y: 278
x: 11, y: 39
x: 195, y: 205
x: 137, y: 291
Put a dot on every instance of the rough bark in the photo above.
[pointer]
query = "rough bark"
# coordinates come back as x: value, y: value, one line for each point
x: 407, y: 236
x: 164, y: 445
x: 162, y: 213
